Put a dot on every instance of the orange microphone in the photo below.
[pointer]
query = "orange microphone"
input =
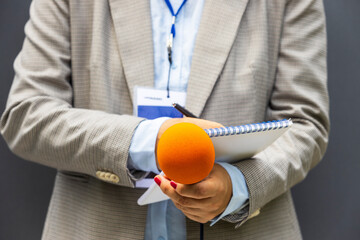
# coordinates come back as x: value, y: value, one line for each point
x: 185, y: 153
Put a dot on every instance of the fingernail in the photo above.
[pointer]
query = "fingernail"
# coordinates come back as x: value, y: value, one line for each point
x: 173, y: 184
x: 157, y: 180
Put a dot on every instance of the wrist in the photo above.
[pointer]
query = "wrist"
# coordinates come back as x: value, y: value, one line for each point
x: 142, y: 148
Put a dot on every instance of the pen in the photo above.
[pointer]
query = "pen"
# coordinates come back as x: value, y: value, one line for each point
x: 183, y: 110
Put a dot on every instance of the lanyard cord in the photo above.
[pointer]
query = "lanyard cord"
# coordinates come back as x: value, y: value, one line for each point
x: 171, y: 37
x: 174, y: 14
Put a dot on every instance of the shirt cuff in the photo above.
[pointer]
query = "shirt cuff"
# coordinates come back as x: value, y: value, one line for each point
x: 142, y: 147
x: 239, y: 189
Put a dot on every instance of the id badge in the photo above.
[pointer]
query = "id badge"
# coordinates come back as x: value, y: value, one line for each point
x: 153, y: 103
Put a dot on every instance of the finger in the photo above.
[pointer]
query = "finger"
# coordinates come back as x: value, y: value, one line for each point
x: 165, y: 186
x: 194, y: 211
x: 201, y: 215
x: 184, y: 202
x: 196, y: 218
x: 194, y: 205
x: 202, y: 190
x: 202, y: 122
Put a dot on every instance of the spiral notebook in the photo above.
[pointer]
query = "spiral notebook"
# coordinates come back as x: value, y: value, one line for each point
x: 241, y: 142
x: 232, y: 144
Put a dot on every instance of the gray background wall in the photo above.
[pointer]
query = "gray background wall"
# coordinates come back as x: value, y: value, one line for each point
x: 327, y: 202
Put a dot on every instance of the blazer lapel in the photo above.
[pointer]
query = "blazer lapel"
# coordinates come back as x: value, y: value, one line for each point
x: 132, y: 22
x: 217, y: 32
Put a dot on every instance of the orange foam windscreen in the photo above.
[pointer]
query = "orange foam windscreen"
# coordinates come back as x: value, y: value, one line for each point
x: 185, y: 153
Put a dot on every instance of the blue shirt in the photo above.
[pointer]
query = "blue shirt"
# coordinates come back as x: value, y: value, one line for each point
x: 142, y: 156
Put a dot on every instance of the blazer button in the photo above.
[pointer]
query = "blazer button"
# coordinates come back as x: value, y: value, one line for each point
x: 114, y: 178
x: 107, y: 176
x: 101, y: 175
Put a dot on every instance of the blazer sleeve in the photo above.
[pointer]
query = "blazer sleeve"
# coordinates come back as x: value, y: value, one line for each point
x: 41, y: 125
x: 300, y: 92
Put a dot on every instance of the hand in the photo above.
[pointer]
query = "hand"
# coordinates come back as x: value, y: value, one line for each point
x: 201, y: 201
x: 204, y: 124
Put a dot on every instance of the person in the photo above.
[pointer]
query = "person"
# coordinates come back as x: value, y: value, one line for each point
x: 72, y: 99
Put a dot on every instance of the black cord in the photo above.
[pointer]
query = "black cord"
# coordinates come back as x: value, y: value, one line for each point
x: 168, y: 82
x: 201, y: 231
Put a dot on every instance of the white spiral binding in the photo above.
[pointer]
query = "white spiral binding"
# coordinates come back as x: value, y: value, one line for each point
x: 248, y: 128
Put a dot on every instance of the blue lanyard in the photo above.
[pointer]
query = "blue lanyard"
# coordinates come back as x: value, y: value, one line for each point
x: 171, y: 37
x: 174, y: 14
x: 172, y: 32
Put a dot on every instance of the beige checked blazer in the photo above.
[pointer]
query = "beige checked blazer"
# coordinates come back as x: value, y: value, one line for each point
x: 70, y: 106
